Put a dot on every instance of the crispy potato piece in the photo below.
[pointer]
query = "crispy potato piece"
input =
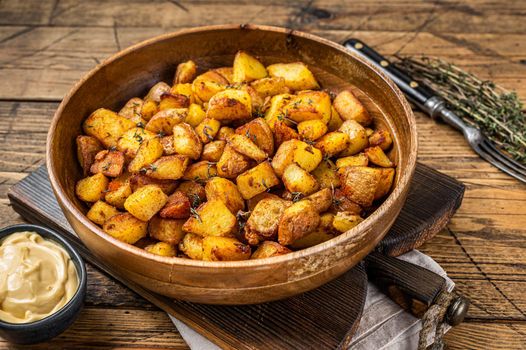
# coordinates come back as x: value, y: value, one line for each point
x: 164, y: 121
x: 207, y: 129
x: 208, y: 84
x: 296, y: 75
x: 166, y: 230
x: 309, y: 105
x: 269, y: 249
x: 194, y: 190
x: 350, y: 108
x: 283, y: 133
x: 385, y: 182
x: 357, y: 137
x: 168, y: 167
x: 298, y: 220
x: 87, y: 149
x: 378, y: 157
x: 252, y: 202
x: 312, y: 129
x: 185, y: 72
x: 224, y: 249
x: 195, y: 115
x: 226, y: 72
x: 106, y: 126
x: 359, y: 159
x: 192, y: 246
x: 118, y: 190
x: 232, y: 163
x: 149, y: 151
x: 296, y: 179
x: 131, y: 140
x: 259, y: 132
x: 381, y: 138
x: 321, y: 200
x: 359, y: 184
x: 139, y: 180
x: 125, y: 227
x: 344, y: 221
x: 247, y: 68
x: 224, y: 133
x: 323, y: 233
x: 230, y: 104
x: 284, y: 156
x: 212, y: 151
x: 336, y: 121
x: 274, y: 113
x: 264, y: 220
x: 100, y: 212
x: 225, y: 191
x: 212, y: 218
x: 157, y: 91
x: 200, y: 171
x: 145, y: 202
x: 109, y: 163
x: 132, y: 110
x: 91, y: 188
x: 270, y: 86
x: 183, y: 89
x: 245, y: 146
x: 177, y: 206
x: 333, y: 143
x: 149, y: 109
x: 256, y: 180
x: 168, y: 145
x: 186, y: 141
x: 326, y: 174
x: 174, y: 101
x: 306, y: 156
x: 162, y: 249
x: 341, y: 203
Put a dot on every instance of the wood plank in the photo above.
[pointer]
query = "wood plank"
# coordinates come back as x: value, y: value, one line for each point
x: 482, y: 336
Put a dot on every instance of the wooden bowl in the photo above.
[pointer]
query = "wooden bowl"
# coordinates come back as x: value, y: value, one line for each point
x: 132, y: 71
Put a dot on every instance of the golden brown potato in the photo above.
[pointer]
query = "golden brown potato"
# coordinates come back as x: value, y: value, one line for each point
x: 132, y: 110
x: 270, y: 86
x: 344, y: 221
x: 326, y: 174
x: 212, y: 151
x: 378, y: 157
x: 207, y: 130
x: 336, y: 121
x: 100, y: 212
x: 161, y: 248
x: 227, y: 73
x: 312, y: 129
x: 208, y: 84
x: 192, y: 246
x: 232, y: 163
x: 263, y: 221
x: 185, y: 90
x: 195, y: 115
x: 252, y: 202
x: 91, y: 189
x: 212, y: 218
x: 269, y: 249
x: 296, y: 75
x: 333, y: 143
x: 166, y: 230
x: 106, y: 126
x: 359, y: 184
x: 164, y: 121
x: 283, y: 133
x: 186, y: 141
x: 149, y: 109
x: 200, y: 171
x: 305, y: 155
x: 87, y: 149
x: 385, y: 182
x: 258, y: 131
x: 297, y: 221
x: 177, y: 206
x: 170, y: 100
x: 224, y: 249
x: 168, y: 145
x: 309, y: 105
x: 321, y: 234
x: 118, y: 190
x: 296, y: 179
x: 247, y: 68
x: 156, y: 92
x: 125, y: 227
x: 109, y: 163
x: 256, y: 180
x: 274, y: 113
x: 194, y: 190
x: 381, y: 138
x: 131, y: 140
x: 224, y: 133
x: 149, y: 151
x: 321, y: 200
x: 244, y: 145
x: 185, y: 72
x: 168, y: 167
x: 145, y: 202
x: 350, y: 108
x: 359, y: 159
x: 341, y: 203
x: 139, y: 180
x: 284, y: 156
x: 225, y: 191
x: 230, y: 104
x: 357, y: 137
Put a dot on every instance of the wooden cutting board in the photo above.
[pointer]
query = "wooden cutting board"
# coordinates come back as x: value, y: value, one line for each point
x: 325, y: 318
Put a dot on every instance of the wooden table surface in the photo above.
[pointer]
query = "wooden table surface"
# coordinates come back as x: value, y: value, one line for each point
x: 47, y: 45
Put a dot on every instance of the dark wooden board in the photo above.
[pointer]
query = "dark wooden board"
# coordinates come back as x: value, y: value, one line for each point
x: 326, y: 317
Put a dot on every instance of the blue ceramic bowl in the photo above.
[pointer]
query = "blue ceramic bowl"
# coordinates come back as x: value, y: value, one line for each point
x: 54, y: 324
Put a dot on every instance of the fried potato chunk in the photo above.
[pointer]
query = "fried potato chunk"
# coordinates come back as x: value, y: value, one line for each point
x: 350, y: 108
x: 177, y: 206
x: 224, y: 249
x: 192, y: 246
x: 91, y: 188
x: 185, y: 72
x: 145, y: 202
x: 297, y: 75
x: 264, y: 220
x: 100, y: 212
x: 212, y: 218
x: 247, y: 68
x: 87, y: 149
x: 225, y: 191
x: 297, y: 180
x: 166, y: 230
x: 161, y: 248
x: 125, y: 227
x: 230, y: 104
x: 359, y: 184
x: 186, y: 141
x: 256, y: 180
x: 109, y: 163
x: 106, y: 126
x: 269, y: 249
x: 298, y: 220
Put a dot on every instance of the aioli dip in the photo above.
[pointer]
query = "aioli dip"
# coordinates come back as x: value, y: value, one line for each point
x: 37, y: 277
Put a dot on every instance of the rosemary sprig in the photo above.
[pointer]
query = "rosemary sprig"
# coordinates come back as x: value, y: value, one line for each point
x: 480, y: 103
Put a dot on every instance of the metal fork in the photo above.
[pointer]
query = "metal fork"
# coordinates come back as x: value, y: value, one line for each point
x: 430, y: 102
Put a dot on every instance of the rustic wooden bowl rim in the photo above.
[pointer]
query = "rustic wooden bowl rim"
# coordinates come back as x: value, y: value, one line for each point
x: 404, y: 180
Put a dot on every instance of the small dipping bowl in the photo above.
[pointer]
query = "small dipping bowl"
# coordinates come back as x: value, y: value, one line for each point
x: 56, y: 323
